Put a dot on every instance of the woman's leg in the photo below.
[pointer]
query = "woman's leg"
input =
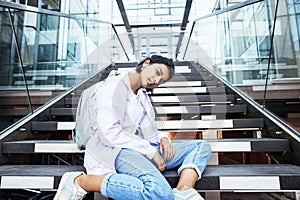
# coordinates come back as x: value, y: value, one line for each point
x: 136, y: 178
x: 90, y: 183
x: 75, y: 185
x: 192, y: 157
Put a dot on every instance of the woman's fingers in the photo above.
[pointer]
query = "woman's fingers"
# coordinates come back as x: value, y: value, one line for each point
x: 159, y: 161
x: 168, y: 150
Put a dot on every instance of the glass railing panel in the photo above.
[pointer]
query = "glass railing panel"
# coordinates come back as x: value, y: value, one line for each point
x: 254, y: 46
x: 14, y: 101
x: 234, y: 44
x: 48, y: 46
x: 100, y: 43
x: 60, y: 52
x: 282, y: 91
x: 48, y: 54
x: 285, y: 52
x: 118, y: 50
x: 200, y: 45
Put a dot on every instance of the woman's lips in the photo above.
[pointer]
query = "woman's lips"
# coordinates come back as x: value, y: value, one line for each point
x: 149, y: 83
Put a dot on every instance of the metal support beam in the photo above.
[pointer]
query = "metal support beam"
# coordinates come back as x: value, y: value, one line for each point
x: 179, y: 44
x: 126, y: 22
x: 131, y: 39
x: 124, y: 15
x: 186, y: 14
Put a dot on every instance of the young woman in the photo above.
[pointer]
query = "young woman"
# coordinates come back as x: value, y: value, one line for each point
x: 125, y: 158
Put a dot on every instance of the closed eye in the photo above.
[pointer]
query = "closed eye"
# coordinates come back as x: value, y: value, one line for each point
x: 157, y: 72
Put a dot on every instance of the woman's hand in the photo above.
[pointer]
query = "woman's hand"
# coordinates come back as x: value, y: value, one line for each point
x: 159, y: 161
x: 167, y: 148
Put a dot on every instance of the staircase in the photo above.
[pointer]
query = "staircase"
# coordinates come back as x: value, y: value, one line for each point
x: 251, y: 153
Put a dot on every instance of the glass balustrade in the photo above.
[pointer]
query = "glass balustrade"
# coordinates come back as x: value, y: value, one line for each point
x: 45, y: 53
x: 254, y: 45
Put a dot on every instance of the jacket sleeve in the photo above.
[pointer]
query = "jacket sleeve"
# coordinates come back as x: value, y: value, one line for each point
x: 149, y: 128
x: 110, y: 111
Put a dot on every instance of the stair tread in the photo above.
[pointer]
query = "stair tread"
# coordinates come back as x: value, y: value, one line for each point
x: 188, y: 90
x: 189, y: 109
x: 221, y: 177
x: 196, y: 109
x: 165, y: 125
x: 193, y: 98
x: 253, y: 177
x: 63, y: 111
x: 221, y: 98
x: 181, y: 77
x: 216, y: 170
x: 223, y: 145
x: 188, y: 83
x: 210, y: 124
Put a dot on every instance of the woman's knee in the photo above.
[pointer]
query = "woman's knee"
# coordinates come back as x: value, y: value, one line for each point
x: 205, y: 146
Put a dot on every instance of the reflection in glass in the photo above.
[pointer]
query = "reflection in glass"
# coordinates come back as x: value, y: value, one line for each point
x: 239, y: 45
x: 14, y: 102
x: 53, y: 54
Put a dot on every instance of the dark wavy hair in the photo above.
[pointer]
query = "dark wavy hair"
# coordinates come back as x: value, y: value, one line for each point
x: 160, y: 60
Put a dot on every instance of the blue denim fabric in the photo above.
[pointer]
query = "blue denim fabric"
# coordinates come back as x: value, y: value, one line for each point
x: 138, y: 178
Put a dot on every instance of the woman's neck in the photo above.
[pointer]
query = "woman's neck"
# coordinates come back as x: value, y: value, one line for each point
x: 135, y: 81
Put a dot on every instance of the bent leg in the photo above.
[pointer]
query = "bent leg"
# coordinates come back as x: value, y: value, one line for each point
x: 136, y: 178
x: 193, y: 154
x: 90, y: 183
x: 193, y: 157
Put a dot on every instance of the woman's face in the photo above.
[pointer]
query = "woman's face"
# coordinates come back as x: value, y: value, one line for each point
x: 154, y: 74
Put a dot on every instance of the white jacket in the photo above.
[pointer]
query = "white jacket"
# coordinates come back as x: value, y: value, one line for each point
x: 124, y: 120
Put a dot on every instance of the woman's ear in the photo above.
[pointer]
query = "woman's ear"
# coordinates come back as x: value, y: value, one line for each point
x: 147, y: 62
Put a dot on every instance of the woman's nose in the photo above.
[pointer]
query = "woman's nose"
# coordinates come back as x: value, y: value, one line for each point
x: 157, y: 79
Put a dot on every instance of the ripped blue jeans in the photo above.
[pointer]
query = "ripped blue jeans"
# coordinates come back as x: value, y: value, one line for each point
x: 138, y: 178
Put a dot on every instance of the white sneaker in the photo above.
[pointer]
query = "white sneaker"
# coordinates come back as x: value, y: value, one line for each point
x: 67, y: 190
x: 190, y: 194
